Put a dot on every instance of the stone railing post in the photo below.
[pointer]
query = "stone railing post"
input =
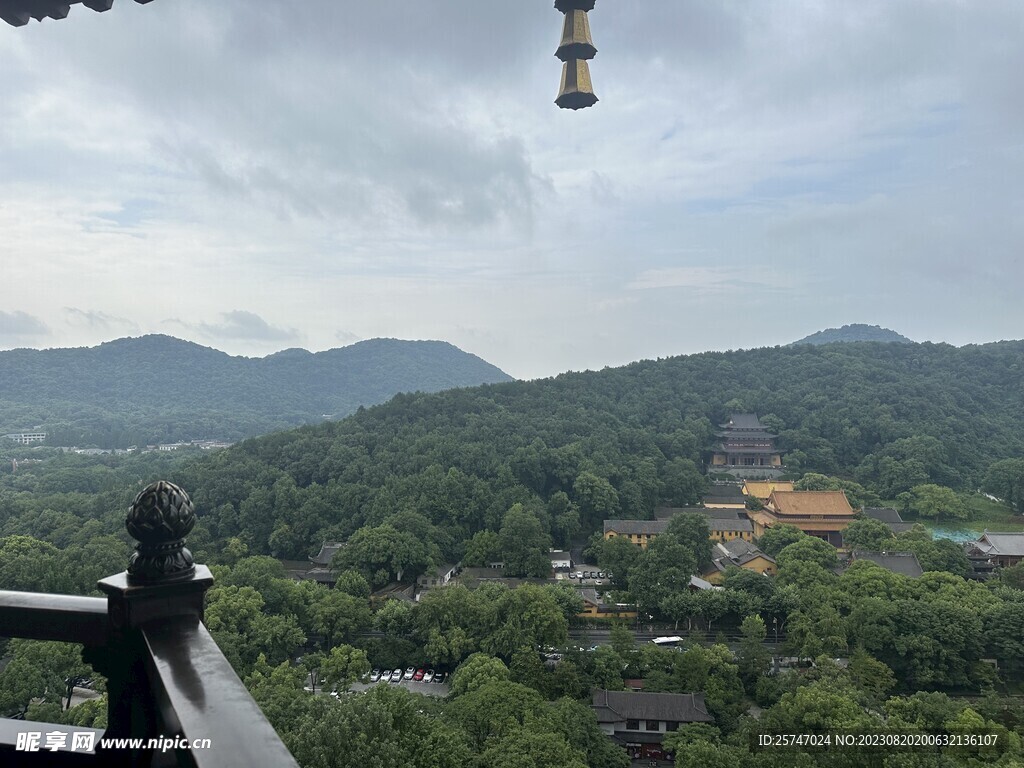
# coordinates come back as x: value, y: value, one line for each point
x: 162, y: 584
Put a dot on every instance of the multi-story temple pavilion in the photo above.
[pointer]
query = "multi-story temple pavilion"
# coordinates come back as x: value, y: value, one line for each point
x: 746, y: 449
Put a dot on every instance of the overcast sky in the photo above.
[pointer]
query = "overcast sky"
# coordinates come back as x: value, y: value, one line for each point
x: 261, y: 175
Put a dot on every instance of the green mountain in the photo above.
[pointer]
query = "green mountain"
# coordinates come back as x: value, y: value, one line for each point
x: 159, y: 388
x: 854, y: 332
x: 582, y: 447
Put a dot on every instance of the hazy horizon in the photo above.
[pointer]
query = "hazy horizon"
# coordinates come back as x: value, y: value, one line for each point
x: 217, y: 348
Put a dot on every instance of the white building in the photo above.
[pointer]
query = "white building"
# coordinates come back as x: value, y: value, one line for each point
x: 560, y: 560
x: 26, y: 438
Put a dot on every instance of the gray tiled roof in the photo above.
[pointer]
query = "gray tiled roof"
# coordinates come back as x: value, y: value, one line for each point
x: 1010, y: 544
x: 627, y: 527
x: 327, y: 551
x: 744, y: 421
x: 735, y: 553
x: 614, y: 706
x: 728, y: 493
x: 885, y: 514
x: 898, y: 562
x: 665, y: 513
x: 737, y: 526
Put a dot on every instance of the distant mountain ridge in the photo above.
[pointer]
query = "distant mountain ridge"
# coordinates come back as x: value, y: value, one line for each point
x: 159, y: 388
x: 854, y: 332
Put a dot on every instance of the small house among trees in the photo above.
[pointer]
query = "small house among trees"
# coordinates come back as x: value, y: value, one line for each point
x: 639, y: 721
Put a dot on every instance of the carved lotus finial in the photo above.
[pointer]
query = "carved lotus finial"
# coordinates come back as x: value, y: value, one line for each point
x: 159, y: 519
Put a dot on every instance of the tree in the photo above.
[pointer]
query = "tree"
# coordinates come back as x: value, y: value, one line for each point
x: 1004, y: 637
x: 778, y: 537
x: 528, y: 669
x: 311, y: 663
x: 569, y: 600
x: 565, y: 518
x: 1013, y: 576
x: 30, y: 565
x: 712, y: 604
x: 528, y: 616
x: 829, y: 629
x: 482, y: 549
x: 578, y: 723
x: 339, y: 616
x: 476, y: 672
x: 742, y: 580
x: 523, y: 536
x: 937, y: 502
x: 809, y: 549
x: 235, y: 618
x: 394, y: 618
x: 801, y: 638
x: 343, y: 666
x: 353, y: 583
x: 382, y: 553
x: 608, y: 666
x: 691, y: 531
x: 616, y: 556
x: 596, y: 498
x: 868, y: 534
x: 680, y: 605
x: 681, y: 483
x: 873, y: 677
x: 386, y: 726
x: 622, y: 640
x: 41, y: 670
x: 527, y: 746
x: 703, y: 754
x: 663, y: 568
x: 821, y: 707
x: 753, y: 657
x: 1005, y: 479
x: 492, y: 710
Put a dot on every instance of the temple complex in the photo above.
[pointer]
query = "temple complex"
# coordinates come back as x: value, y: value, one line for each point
x: 746, y: 449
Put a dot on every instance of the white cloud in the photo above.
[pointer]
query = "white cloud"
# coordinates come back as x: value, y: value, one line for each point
x: 400, y: 169
x: 246, y: 326
x: 22, y: 326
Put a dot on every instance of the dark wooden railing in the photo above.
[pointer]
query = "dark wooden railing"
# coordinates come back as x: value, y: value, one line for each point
x: 167, y: 679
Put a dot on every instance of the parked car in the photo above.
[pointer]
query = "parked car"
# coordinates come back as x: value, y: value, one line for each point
x: 409, y: 673
x: 579, y: 575
x: 440, y: 677
x: 385, y: 676
x: 600, y: 574
x: 396, y: 676
x: 428, y: 676
x: 375, y: 676
x: 419, y: 675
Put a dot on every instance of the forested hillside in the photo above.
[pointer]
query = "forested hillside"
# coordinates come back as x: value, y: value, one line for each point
x: 854, y: 332
x: 581, y: 447
x: 161, y: 389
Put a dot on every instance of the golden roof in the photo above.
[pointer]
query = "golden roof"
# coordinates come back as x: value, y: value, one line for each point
x: 763, y: 489
x: 810, y: 504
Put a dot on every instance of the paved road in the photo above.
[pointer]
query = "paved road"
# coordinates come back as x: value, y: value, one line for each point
x: 427, y: 689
